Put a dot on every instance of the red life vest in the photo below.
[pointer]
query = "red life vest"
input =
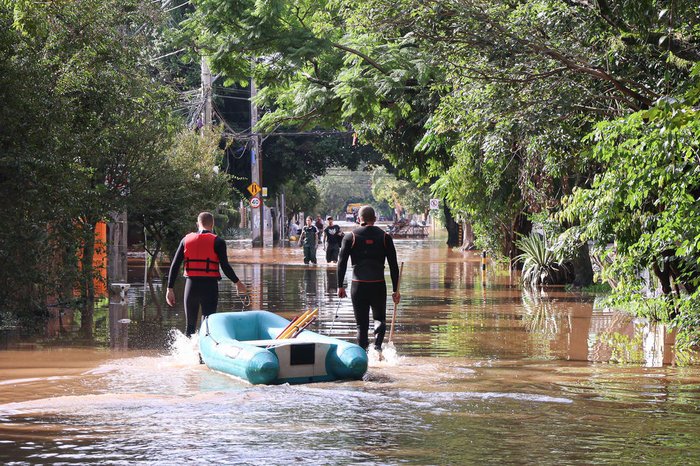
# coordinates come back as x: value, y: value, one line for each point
x: 200, y: 258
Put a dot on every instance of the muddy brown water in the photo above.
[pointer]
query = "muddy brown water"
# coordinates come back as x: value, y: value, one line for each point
x: 483, y: 372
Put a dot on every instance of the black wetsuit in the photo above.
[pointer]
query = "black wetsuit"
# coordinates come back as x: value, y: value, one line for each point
x: 200, y: 291
x: 368, y: 247
x: 333, y: 238
x: 310, y: 235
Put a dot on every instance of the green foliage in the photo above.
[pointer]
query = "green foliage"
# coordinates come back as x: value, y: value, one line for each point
x: 400, y: 193
x: 646, y: 202
x: 188, y: 183
x: 492, y: 101
x: 542, y: 263
x: 300, y: 159
x: 300, y: 198
x: 86, y: 124
x: 341, y: 186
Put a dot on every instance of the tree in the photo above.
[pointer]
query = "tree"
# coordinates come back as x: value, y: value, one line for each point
x: 339, y: 187
x: 189, y: 182
x: 401, y: 195
x: 493, y: 100
x: 30, y: 165
x: 300, y: 198
x: 88, y: 148
x: 646, y: 204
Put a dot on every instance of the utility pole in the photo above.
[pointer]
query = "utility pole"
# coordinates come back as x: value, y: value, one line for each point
x: 206, y: 95
x: 256, y: 167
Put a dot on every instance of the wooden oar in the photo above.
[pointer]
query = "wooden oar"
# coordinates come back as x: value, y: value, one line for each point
x: 393, y: 317
x: 308, y: 315
x: 289, y: 324
x: 301, y: 328
x: 301, y: 324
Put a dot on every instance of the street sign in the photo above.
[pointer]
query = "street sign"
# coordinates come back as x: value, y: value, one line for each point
x: 255, y: 202
x: 254, y: 188
x: 434, y: 204
x: 264, y: 191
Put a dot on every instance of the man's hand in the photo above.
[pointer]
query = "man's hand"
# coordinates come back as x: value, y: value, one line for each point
x: 396, y: 296
x: 342, y: 293
x: 240, y: 286
x: 170, y: 297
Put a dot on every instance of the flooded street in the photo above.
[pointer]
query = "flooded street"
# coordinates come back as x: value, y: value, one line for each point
x: 484, y: 373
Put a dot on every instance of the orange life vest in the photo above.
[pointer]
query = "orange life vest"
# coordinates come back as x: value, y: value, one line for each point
x: 200, y: 258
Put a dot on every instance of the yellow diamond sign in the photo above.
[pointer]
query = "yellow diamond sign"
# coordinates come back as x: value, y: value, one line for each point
x: 254, y: 188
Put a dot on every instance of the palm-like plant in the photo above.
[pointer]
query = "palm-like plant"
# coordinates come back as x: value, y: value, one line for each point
x: 541, y: 263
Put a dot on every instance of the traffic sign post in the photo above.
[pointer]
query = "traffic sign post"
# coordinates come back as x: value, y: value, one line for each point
x: 254, y: 188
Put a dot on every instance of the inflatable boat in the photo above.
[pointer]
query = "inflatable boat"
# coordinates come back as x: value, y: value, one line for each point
x: 245, y: 345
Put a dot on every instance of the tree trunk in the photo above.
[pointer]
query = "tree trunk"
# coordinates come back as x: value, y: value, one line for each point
x: 154, y: 262
x: 467, y: 236
x: 117, y: 244
x: 664, y: 278
x: 521, y: 225
x: 583, y: 269
x: 87, y: 313
x: 453, y: 239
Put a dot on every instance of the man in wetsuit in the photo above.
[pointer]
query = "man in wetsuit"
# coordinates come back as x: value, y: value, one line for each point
x: 309, y: 237
x: 202, y: 252
x: 332, y: 236
x: 368, y: 246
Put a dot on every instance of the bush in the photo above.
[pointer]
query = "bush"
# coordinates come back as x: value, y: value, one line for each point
x: 542, y: 264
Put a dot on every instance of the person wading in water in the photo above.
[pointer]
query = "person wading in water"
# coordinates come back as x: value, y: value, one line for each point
x: 369, y: 247
x: 202, y: 252
x: 332, y: 236
x: 309, y: 236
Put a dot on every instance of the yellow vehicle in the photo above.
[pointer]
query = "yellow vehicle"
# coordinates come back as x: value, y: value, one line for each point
x: 351, y: 211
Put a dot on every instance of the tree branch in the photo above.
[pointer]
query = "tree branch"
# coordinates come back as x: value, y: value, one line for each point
x: 365, y: 57
x: 675, y: 44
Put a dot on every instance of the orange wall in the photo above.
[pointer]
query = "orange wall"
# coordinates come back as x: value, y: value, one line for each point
x: 99, y: 261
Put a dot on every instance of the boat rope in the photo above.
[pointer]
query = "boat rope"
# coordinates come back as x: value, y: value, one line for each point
x: 208, y: 334
x: 244, y: 299
x: 334, y: 317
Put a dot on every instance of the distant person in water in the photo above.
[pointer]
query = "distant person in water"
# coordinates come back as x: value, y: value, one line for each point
x: 332, y: 236
x: 319, y: 227
x: 369, y: 247
x: 308, y: 238
x: 202, y: 253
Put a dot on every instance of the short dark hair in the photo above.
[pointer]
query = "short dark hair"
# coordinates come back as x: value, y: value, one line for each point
x: 206, y: 219
x: 330, y: 217
x: 367, y: 213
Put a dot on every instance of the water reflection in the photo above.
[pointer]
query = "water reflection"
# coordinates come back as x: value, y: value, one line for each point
x: 629, y: 340
x: 450, y: 308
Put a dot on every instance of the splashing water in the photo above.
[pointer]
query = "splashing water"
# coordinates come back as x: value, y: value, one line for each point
x: 387, y: 358
x: 184, y: 350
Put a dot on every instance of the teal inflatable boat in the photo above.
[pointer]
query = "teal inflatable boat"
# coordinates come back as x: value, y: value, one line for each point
x: 243, y: 344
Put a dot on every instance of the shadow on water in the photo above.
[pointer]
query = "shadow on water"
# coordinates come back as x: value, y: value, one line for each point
x: 480, y: 371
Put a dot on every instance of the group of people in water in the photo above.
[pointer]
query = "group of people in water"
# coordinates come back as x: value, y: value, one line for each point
x: 312, y: 233
x: 203, y: 255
